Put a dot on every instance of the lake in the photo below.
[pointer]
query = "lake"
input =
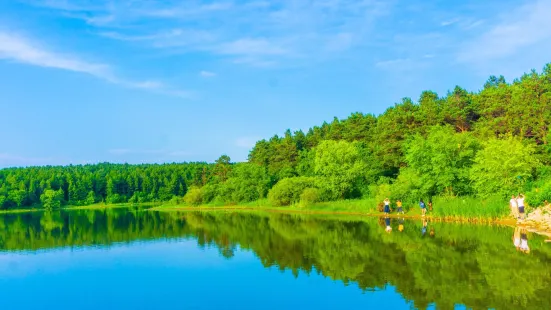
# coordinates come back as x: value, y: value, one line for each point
x: 138, y: 259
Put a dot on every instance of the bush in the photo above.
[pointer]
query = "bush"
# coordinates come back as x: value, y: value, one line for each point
x: 288, y: 191
x: 175, y: 200
x: 503, y: 167
x: 309, y: 196
x: 115, y: 198
x: 408, y: 188
x: 539, y: 195
x: 194, y: 196
x: 248, y: 182
x: 209, y: 192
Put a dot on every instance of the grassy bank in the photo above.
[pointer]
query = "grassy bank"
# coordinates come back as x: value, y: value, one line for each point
x: 464, y: 209
x: 467, y: 209
x: 97, y: 206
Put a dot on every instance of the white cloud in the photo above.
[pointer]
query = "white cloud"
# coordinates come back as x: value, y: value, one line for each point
x: 449, y: 22
x: 257, y: 33
x: 207, y: 74
x: 246, y: 142
x: 518, y: 29
x: 22, y: 50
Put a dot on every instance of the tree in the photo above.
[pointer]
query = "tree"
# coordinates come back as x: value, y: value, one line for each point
x: 51, y: 199
x: 340, y: 164
x: 459, y: 110
x: 442, y: 160
x: 222, y: 167
x: 503, y: 166
x: 248, y: 182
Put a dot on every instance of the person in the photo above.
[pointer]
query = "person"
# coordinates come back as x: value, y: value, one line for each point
x: 520, y: 204
x: 388, y: 229
x: 514, y: 206
x: 387, y: 206
x: 430, y: 205
x: 516, y: 238
x: 423, y: 207
x: 399, y: 208
x: 524, y: 242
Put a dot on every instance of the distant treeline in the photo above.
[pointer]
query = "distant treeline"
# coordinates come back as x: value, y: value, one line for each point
x: 88, y: 184
x: 491, y: 142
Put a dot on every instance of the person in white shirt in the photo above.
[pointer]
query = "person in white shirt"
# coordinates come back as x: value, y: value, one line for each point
x: 514, y: 206
x: 520, y: 204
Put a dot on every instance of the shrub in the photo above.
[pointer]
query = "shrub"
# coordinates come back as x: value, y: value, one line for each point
x: 288, y: 191
x: 175, y: 200
x: 503, y: 166
x: 115, y: 198
x: 248, y: 182
x: 194, y: 196
x: 209, y: 192
x: 309, y: 196
x: 539, y: 195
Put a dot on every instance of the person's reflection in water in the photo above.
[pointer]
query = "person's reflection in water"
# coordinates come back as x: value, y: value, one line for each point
x: 431, y: 232
x: 401, y: 225
x: 524, y: 242
x: 388, y: 229
x: 424, y: 229
x: 516, y: 238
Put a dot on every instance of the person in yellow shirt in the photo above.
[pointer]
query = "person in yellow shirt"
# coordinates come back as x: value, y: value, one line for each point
x: 399, y: 208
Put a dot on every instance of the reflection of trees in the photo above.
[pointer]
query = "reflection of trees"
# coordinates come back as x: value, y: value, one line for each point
x: 32, y: 231
x: 473, y: 265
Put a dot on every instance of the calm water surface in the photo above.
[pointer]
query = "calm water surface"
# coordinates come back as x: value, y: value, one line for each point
x: 138, y: 259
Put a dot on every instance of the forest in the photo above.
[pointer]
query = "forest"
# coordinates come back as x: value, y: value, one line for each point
x: 487, y: 144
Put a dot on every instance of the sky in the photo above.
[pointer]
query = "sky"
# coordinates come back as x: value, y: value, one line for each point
x: 143, y: 81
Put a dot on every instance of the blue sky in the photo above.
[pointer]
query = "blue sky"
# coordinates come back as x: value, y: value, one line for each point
x: 86, y: 81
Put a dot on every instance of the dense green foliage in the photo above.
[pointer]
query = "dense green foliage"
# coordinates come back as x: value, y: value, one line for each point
x: 52, y: 187
x: 473, y: 265
x: 486, y: 143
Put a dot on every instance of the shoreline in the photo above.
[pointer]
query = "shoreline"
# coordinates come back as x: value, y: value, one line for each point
x: 500, y: 221
x: 293, y: 210
x: 509, y: 222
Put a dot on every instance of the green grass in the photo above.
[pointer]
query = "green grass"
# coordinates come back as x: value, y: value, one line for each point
x: 88, y: 207
x: 446, y: 208
x: 470, y: 208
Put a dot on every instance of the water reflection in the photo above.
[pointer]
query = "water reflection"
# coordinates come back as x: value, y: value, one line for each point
x: 471, y: 265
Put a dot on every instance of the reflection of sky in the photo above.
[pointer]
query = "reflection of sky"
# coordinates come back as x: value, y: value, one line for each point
x: 168, y: 274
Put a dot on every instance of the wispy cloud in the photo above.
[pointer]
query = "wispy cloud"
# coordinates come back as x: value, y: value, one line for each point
x: 518, y: 29
x: 256, y: 33
x: 20, y: 49
x: 449, y: 22
x: 207, y: 74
